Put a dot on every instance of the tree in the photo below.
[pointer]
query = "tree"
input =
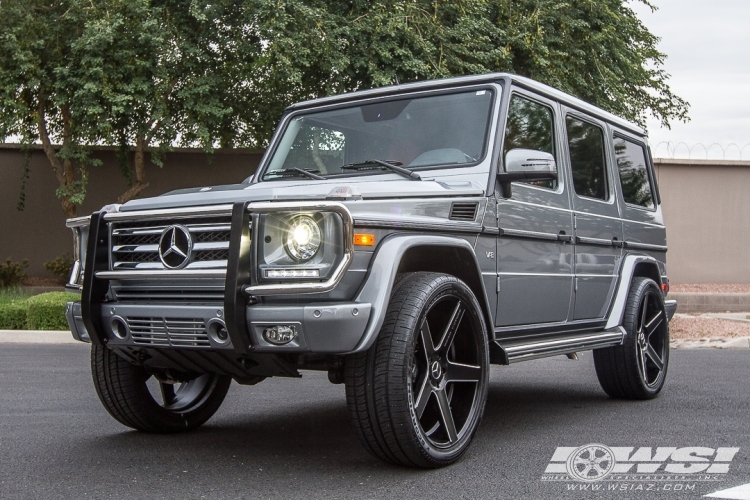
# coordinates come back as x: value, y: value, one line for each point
x: 151, y: 74
x: 135, y: 74
x: 597, y: 50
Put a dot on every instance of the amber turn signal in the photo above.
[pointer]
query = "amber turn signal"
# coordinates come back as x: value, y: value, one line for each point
x: 365, y: 240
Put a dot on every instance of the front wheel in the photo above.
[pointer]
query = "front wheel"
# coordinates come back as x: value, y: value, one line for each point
x: 416, y: 397
x: 637, y: 369
x: 149, y: 403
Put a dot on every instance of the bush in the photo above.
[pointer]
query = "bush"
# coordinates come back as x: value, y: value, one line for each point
x: 12, y: 309
x: 12, y: 273
x: 13, y: 315
x: 47, y: 311
x: 60, y: 266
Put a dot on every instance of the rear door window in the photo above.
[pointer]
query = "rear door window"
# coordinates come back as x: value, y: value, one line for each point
x: 633, y: 170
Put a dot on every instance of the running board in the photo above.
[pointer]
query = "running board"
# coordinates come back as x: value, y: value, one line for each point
x: 552, y: 347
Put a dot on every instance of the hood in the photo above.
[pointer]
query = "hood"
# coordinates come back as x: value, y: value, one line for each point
x: 305, y: 190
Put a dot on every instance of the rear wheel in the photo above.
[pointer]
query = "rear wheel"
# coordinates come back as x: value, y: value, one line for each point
x: 416, y: 397
x: 154, y: 403
x: 637, y: 368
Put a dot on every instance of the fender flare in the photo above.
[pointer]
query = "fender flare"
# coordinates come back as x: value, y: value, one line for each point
x: 623, y: 288
x: 382, y: 274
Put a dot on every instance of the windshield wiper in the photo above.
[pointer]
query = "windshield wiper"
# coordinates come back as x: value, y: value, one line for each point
x: 292, y: 172
x: 390, y: 165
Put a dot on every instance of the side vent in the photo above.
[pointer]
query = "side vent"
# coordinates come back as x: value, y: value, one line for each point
x: 464, y: 211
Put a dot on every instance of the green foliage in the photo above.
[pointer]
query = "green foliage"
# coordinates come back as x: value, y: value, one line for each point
x: 12, y: 273
x: 13, y: 315
x: 47, y: 311
x: 598, y: 51
x: 153, y: 74
x: 12, y: 309
x: 19, y: 311
x: 60, y: 266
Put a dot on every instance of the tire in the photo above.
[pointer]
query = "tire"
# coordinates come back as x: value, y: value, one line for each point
x: 637, y: 369
x: 416, y: 397
x: 123, y: 390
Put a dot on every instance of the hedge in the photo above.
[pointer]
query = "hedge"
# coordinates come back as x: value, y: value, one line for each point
x: 39, y: 312
x: 47, y: 311
x: 13, y: 315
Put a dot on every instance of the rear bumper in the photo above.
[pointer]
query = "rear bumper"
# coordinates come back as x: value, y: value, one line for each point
x: 671, y: 306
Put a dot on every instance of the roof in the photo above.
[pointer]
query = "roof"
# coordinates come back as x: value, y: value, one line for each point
x: 528, y: 83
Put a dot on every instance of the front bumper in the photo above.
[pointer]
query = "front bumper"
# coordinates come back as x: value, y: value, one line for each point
x: 322, y: 328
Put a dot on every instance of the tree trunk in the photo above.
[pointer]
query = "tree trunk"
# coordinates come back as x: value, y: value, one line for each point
x: 63, y: 171
x: 140, y: 171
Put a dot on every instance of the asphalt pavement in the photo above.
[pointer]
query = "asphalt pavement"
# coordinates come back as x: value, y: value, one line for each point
x: 289, y: 438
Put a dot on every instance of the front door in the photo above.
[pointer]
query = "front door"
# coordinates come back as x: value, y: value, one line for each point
x: 534, y: 253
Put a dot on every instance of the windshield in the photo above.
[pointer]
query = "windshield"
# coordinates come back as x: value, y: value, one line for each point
x: 448, y: 129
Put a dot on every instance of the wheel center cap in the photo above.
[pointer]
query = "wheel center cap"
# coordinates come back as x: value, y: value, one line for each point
x: 436, y: 370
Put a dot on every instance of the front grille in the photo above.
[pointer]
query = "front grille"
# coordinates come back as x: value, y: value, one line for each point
x: 168, y: 332
x: 135, y: 244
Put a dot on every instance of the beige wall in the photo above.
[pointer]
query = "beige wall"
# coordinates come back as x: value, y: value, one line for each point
x: 39, y: 233
x: 706, y: 206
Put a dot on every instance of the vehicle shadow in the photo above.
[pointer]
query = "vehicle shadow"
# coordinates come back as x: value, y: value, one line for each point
x: 318, y: 435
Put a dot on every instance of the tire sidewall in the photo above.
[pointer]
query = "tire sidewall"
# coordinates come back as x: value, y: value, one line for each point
x: 638, y: 290
x: 441, y: 287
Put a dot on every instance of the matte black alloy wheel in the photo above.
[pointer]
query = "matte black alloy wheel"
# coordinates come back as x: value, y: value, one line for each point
x: 149, y: 403
x: 417, y: 396
x: 445, y: 375
x: 651, y: 342
x: 637, y: 369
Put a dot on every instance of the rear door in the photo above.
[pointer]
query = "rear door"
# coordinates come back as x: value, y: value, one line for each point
x: 596, y: 218
x: 534, y: 255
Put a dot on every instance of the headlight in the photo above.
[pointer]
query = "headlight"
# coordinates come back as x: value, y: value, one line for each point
x: 299, y: 246
x: 303, y: 238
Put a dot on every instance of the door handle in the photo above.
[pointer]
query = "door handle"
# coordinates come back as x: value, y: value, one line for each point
x: 565, y: 238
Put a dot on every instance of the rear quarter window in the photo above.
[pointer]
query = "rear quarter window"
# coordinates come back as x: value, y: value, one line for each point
x: 633, y: 171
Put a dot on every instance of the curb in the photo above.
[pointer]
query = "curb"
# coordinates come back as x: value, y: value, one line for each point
x: 36, y: 337
x: 704, y: 343
x: 705, y: 302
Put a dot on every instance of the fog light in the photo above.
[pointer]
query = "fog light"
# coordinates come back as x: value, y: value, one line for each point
x: 279, y: 334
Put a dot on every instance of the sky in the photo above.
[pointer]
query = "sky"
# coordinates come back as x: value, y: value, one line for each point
x: 707, y: 44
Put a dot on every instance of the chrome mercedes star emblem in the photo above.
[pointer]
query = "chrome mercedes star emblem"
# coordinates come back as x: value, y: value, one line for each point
x: 436, y: 370
x: 175, y: 247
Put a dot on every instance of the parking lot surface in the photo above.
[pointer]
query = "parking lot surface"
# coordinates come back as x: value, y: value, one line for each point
x: 287, y: 438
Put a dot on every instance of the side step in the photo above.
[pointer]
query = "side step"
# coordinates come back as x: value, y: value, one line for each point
x: 554, y: 346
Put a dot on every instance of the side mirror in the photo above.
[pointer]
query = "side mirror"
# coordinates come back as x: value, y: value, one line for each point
x: 526, y: 165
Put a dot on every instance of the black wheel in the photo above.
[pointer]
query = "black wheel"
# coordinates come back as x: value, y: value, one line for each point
x: 147, y: 403
x: 416, y: 397
x: 637, y: 368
